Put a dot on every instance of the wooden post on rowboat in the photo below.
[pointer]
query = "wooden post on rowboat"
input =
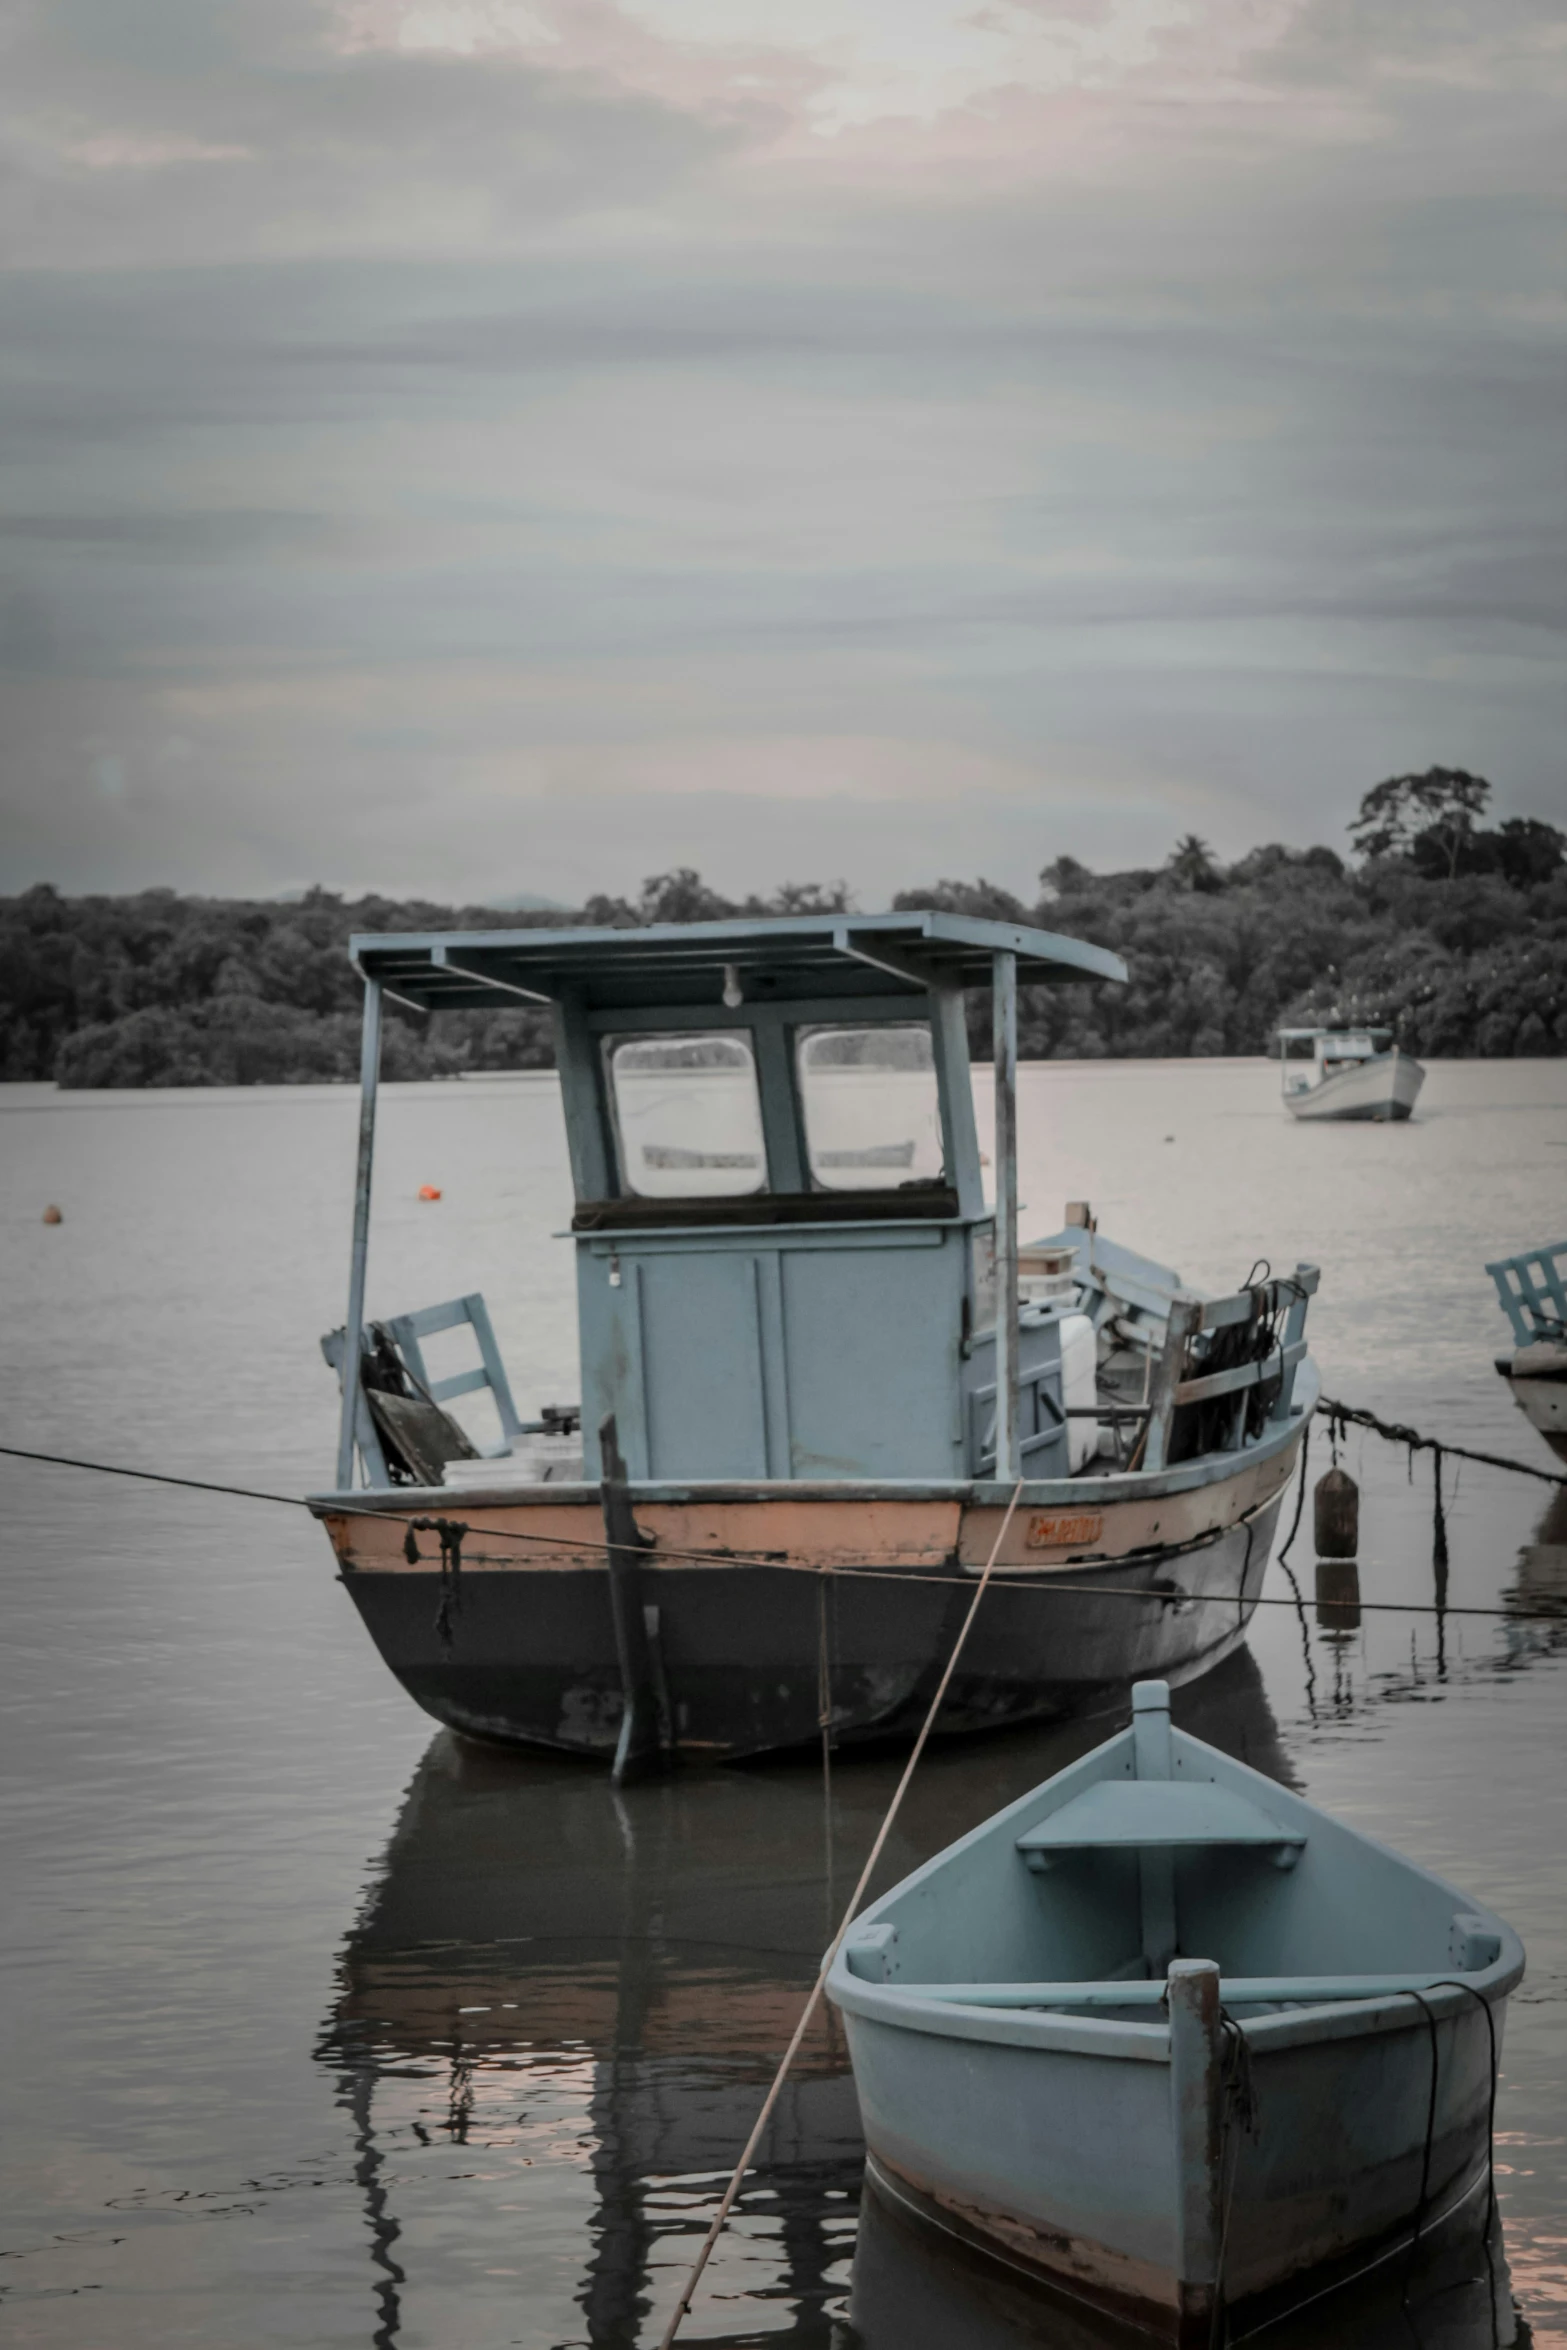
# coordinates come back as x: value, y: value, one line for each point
x: 1196, y: 2095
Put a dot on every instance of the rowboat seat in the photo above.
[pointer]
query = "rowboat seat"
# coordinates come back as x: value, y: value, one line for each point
x: 1154, y: 1815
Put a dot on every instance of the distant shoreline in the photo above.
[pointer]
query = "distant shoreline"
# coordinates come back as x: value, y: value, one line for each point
x: 158, y: 991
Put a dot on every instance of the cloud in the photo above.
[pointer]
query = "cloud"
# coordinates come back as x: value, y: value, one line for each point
x: 860, y: 438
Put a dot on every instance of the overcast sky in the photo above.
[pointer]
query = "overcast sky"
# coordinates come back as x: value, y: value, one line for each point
x: 482, y: 446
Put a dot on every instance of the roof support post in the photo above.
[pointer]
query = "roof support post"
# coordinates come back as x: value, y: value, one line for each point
x: 1004, y: 995
x: 353, y: 1335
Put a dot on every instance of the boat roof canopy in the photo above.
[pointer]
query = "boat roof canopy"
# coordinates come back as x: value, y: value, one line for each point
x: 804, y: 957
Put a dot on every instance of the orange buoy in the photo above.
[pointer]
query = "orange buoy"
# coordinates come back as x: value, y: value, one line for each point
x: 428, y: 1191
x: 52, y: 1215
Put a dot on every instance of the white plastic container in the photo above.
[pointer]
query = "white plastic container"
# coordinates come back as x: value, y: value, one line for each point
x: 1079, y: 1387
x: 1046, y: 1276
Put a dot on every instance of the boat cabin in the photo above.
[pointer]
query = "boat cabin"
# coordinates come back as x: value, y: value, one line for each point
x: 786, y: 1264
x: 1308, y: 1055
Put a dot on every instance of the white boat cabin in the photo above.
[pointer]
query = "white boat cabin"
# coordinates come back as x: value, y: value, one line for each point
x: 1307, y: 1056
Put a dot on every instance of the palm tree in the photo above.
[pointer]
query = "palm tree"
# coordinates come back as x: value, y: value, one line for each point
x: 1191, y: 862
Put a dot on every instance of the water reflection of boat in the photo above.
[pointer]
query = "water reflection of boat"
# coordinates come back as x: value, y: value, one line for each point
x: 1539, y: 1588
x: 657, y: 1943
x: 1542, y: 1563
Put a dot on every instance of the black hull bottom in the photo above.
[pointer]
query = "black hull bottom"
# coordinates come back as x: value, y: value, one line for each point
x: 743, y: 1654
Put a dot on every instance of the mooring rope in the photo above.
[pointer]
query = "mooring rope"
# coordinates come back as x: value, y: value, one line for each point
x: 1413, y: 1441
x: 726, y: 2202
x: 1045, y: 1584
x: 1300, y: 1497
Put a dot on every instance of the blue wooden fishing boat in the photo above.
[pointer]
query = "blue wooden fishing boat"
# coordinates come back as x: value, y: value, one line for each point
x: 1169, y: 2037
x: 817, y: 1371
x: 1531, y: 1289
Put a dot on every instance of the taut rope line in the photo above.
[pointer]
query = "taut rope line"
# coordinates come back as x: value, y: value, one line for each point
x: 726, y: 2203
x: 779, y: 1561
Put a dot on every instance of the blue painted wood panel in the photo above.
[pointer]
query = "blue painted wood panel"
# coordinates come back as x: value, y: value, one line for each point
x: 702, y: 1365
x: 794, y: 1352
x: 872, y: 1341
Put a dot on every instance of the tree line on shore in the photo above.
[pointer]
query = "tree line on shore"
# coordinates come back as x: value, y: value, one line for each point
x: 1452, y: 933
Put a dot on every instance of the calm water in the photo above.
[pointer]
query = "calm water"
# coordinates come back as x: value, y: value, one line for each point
x: 323, y: 2030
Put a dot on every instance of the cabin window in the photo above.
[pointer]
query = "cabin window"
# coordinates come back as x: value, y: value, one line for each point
x: 688, y: 1116
x: 872, y: 1112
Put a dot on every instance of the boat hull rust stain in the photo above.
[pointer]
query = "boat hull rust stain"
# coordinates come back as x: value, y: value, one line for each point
x: 1136, y: 2291
x: 1141, y: 2298
x: 523, y: 1651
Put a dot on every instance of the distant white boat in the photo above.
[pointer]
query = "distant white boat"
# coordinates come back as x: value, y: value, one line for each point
x: 1351, y: 1073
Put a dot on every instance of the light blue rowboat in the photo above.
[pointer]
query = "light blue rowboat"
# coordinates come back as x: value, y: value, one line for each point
x: 1172, y: 2038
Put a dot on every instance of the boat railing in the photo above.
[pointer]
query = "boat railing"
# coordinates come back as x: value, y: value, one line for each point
x: 489, y: 1373
x: 1275, y: 1310
x: 1532, y: 1289
x: 1263, y: 1335
x: 407, y: 1332
x: 1234, y: 1990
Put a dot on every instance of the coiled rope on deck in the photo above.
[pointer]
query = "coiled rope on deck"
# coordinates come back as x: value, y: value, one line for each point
x: 726, y: 2202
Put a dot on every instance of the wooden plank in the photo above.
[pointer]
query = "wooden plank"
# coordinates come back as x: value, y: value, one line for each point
x: 781, y: 1138
x: 369, y: 1081
x: 1244, y: 1375
x: 372, y: 1459
x: 1197, y: 2112
x: 1145, y: 1813
x: 641, y: 1743
x: 495, y: 1369
x: 426, y: 1320
x: 452, y: 1314
x: 1219, y: 1312
x: 576, y: 1059
x: 1184, y: 1322
x: 1004, y: 1009
x: 460, y: 1383
x: 1236, y: 1991
x: 1306, y: 1279
x: 421, y: 1432
x: 955, y: 1086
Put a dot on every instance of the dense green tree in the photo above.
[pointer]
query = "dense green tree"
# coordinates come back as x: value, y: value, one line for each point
x: 1441, y: 809
x: 1460, y: 952
x: 1192, y: 864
